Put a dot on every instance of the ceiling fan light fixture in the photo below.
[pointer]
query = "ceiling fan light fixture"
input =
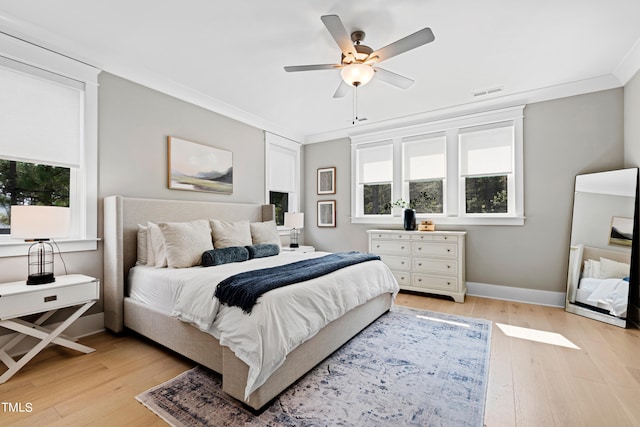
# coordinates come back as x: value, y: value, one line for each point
x: 357, y: 74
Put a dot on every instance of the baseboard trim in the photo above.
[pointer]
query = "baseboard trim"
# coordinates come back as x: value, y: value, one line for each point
x: 84, y: 326
x: 508, y: 293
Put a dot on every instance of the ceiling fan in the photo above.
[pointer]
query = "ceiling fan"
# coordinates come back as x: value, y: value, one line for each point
x: 358, y: 63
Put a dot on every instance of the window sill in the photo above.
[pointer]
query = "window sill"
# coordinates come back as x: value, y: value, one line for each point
x: 388, y: 220
x: 9, y: 248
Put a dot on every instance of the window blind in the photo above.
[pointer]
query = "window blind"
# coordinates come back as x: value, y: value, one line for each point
x: 282, y: 169
x: 424, y: 159
x: 487, y: 150
x: 41, y: 116
x: 375, y: 164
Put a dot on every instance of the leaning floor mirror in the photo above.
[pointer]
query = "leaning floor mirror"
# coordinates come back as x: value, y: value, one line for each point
x: 603, y: 272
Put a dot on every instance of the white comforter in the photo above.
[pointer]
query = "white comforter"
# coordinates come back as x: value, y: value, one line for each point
x: 283, y: 318
x: 610, y: 294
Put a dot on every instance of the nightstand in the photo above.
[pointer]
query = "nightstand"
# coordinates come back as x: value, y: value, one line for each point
x: 17, y: 299
x: 301, y: 248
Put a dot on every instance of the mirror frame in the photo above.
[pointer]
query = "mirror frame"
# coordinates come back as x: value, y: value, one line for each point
x: 577, y: 251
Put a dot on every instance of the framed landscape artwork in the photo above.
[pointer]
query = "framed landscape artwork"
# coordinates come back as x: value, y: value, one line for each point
x: 621, y: 231
x: 198, y: 167
x: 327, y: 213
x: 327, y: 181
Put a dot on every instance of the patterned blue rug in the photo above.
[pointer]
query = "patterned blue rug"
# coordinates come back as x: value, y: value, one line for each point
x: 409, y: 367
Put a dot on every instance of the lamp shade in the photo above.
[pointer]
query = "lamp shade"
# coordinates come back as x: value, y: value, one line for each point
x: 357, y: 74
x: 31, y: 222
x: 293, y: 220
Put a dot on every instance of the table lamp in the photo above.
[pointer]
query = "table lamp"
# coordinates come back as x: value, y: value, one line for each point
x: 39, y: 224
x: 294, y: 221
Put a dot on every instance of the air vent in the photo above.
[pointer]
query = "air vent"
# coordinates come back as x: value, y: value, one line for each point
x: 484, y: 92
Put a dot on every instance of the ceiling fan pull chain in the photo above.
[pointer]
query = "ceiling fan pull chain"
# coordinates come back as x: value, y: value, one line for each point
x: 355, y: 104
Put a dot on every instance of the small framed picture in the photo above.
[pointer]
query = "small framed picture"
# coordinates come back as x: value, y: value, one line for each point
x: 327, y: 213
x: 327, y: 180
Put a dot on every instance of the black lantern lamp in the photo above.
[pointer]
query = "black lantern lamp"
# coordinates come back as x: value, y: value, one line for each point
x: 39, y: 224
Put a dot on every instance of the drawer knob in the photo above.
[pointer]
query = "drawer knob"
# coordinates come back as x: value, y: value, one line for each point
x: 420, y: 264
x: 448, y: 250
x: 401, y: 247
x: 448, y: 266
x: 445, y: 237
x: 402, y: 262
x: 401, y: 277
x: 420, y: 248
x: 419, y: 280
x: 377, y: 246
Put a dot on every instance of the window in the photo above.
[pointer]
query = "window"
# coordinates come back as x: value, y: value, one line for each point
x: 375, y: 175
x: 464, y: 170
x: 486, y: 169
x: 283, y: 175
x: 23, y: 183
x: 424, y: 166
x: 48, y: 139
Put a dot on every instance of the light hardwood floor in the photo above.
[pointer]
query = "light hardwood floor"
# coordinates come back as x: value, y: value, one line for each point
x: 530, y: 383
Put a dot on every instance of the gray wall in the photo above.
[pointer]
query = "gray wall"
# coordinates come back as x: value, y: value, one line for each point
x: 133, y: 125
x: 562, y: 138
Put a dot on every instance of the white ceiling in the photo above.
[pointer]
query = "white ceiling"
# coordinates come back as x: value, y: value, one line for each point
x: 229, y: 56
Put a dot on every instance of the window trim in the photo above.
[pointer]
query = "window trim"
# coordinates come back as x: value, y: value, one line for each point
x: 454, y: 212
x: 85, y: 199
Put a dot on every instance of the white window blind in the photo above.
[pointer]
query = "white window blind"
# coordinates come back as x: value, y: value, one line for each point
x: 375, y: 164
x: 424, y: 159
x: 487, y: 150
x: 282, y: 169
x: 41, y: 116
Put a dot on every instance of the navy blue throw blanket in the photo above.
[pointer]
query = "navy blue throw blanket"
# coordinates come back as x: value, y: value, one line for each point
x: 243, y: 289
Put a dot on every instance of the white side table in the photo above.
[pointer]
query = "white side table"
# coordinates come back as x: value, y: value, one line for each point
x: 301, y: 248
x: 18, y: 299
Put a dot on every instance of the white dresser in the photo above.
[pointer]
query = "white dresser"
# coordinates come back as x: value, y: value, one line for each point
x: 424, y: 261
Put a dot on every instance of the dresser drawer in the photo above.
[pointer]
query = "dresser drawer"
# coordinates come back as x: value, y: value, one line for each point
x: 434, y: 237
x: 396, y: 262
x: 434, y: 282
x: 441, y: 250
x: 390, y: 236
x: 403, y: 277
x: 390, y: 246
x: 51, y: 298
x: 437, y: 266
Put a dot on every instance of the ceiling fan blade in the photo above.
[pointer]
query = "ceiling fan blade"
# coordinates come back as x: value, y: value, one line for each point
x: 412, y: 41
x: 393, y: 79
x: 293, y: 68
x: 342, y: 90
x: 339, y: 34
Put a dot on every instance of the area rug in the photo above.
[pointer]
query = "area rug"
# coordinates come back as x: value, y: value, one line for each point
x: 409, y: 367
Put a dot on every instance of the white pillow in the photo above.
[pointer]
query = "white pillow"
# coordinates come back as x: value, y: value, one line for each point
x: 226, y: 234
x: 265, y: 233
x: 595, y: 269
x: 184, y: 242
x: 156, y: 255
x: 610, y: 269
x: 586, y: 271
x: 142, y: 245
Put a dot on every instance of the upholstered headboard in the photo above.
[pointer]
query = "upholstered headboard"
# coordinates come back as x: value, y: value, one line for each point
x: 121, y: 218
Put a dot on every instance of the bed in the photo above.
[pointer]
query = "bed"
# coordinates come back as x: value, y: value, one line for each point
x: 122, y: 217
x: 598, y: 283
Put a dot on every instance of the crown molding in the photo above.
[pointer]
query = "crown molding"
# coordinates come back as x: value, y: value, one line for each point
x: 528, y: 97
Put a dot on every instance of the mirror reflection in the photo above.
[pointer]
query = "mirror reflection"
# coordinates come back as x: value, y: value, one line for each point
x: 602, y: 234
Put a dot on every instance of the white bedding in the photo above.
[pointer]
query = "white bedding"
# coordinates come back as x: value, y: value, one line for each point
x: 610, y: 294
x: 283, y: 318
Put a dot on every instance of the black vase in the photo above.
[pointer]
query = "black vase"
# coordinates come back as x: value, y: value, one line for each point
x: 409, y: 219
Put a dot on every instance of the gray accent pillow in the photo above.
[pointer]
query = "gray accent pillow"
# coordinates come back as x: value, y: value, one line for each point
x: 224, y: 256
x: 263, y: 250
